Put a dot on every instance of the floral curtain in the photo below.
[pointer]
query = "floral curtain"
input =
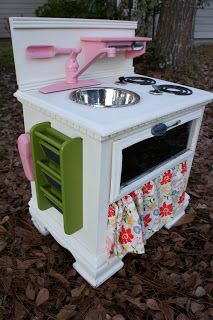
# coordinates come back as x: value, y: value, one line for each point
x: 135, y: 217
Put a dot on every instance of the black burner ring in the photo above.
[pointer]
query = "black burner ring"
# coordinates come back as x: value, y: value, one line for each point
x: 138, y: 80
x: 178, y: 90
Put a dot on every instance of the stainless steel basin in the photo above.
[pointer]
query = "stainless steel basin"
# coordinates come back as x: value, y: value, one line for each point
x: 105, y: 97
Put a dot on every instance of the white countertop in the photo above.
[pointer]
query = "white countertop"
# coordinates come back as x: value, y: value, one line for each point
x: 107, y: 121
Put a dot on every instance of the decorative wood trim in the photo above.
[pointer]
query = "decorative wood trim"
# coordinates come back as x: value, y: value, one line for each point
x: 59, y: 23
x: 45, y: 109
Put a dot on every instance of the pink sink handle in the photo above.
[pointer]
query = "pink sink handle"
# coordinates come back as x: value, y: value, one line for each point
x: 24, y: 149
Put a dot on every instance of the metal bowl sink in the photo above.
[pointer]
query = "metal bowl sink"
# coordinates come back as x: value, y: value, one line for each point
x: 105, y: 97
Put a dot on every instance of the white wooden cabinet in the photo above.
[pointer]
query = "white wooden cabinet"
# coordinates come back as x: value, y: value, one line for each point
x: 105, y: 132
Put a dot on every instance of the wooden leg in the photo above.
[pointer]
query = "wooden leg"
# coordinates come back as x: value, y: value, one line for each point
x: 96, y: 275
x: 93, y: 269
x: 37, y: 223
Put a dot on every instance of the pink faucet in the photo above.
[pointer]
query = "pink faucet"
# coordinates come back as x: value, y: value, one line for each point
x: 95, y: 48
x: 72, y: 66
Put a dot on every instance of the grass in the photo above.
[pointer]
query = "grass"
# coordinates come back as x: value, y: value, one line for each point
x: 6, y: 55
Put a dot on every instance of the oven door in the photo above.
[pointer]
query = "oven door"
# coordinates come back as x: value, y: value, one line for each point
x: 141, y: 157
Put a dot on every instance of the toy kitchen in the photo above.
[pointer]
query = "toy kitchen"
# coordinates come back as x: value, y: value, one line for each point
x: 107, y: 152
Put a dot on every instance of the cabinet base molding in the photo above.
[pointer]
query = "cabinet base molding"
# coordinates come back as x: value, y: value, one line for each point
x: 97, y: 275
x: 40, y: 227
x: 95, y: 270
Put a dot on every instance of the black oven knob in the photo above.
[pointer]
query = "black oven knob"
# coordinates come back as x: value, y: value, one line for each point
x: 161, y: 128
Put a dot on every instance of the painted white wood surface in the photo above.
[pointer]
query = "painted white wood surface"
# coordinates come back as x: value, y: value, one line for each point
x: 88, y: 245
x: 35, y: 73
x: 99, y: 129
x: 103, y: 123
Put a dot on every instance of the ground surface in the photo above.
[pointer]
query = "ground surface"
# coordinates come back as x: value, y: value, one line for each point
x: 173, y: 280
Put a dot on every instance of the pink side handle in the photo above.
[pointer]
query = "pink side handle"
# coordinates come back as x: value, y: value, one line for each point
x: 63, y: 50
x: 45, y: 51
x: 24, y: 148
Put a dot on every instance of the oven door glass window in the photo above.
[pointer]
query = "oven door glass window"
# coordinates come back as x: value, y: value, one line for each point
x: 147, y: 154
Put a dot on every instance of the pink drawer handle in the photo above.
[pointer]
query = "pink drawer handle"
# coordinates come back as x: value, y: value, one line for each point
x: 24, y: 149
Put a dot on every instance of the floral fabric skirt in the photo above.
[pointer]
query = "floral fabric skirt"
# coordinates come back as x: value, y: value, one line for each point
x: 135, y: 217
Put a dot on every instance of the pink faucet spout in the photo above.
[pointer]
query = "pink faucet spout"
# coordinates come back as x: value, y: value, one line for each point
x: 72, y: 66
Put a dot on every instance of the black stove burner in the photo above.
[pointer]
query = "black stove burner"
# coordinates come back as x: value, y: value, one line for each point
x: 138, y: 80
x: 170, y: 88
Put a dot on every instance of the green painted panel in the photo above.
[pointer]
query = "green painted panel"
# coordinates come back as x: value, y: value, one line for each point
x: 58, y: 170
x: 71, y: 175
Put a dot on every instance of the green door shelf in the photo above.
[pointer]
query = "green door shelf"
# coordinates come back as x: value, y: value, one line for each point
x: 58, y: 165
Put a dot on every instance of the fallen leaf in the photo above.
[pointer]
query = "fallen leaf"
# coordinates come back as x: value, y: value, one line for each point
x: 42, y: 296
x: 40, y: 281
x: 190, y: 279
x: 194, y: 194
x: 201, y: 206
x: 176, y: 237
x: 61, y: 295
x: 2, y: 230
x: 3, y: 245
x: 137, y: 303
x: 209, y: 288
x: 77, y: 291
x: 204, y: 228
x: 137, y: 289
x: 20, y: 310
x: 208, y: 248
x: 158, y: 316
x: 175, y: 278
x: 30, y: 292
x: 4, y: 220
x: 196, y: 307
x: 59, y: 277
x: 6, y: 262
x: 97, y: 313
x: 118, y: 317
x: 181, y: 301
x: 182, y: 316
x: 152, y: 304
x: 210, y: 312
x: 24, y: 265
x: 166, y: 310
x: 200, y: 292
x: 66, y: 312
